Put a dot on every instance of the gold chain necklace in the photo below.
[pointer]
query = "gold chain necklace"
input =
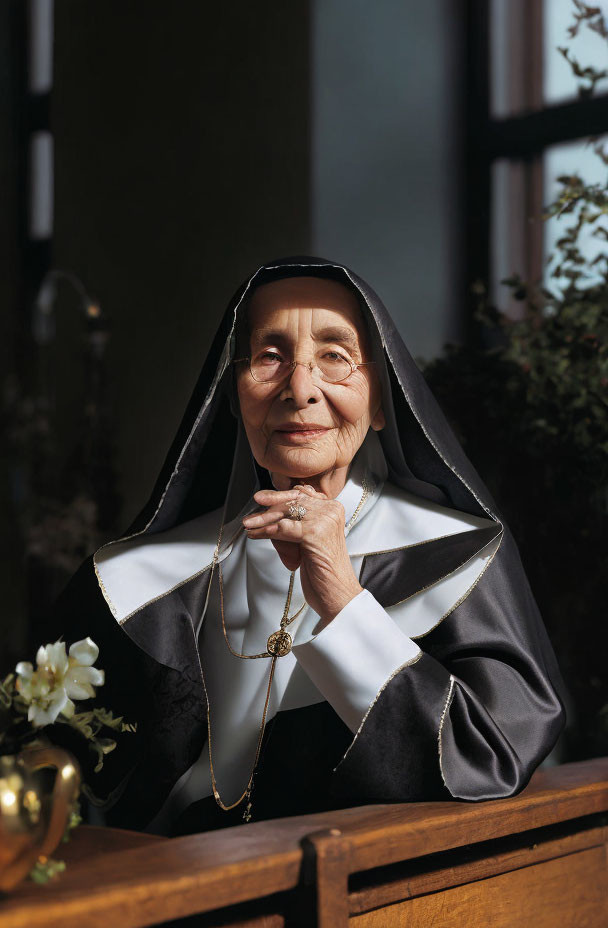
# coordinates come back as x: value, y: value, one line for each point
x: 279, y: 644
x: 279, y: 641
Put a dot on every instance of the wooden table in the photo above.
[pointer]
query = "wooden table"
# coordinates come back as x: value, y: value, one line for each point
x: 538, y: 859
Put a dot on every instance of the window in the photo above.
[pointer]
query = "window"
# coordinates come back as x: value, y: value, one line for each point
x: 526, y: 125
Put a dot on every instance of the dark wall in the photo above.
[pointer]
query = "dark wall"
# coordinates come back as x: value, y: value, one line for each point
x: 9, y: 216
x: 182, y: 162
x: 11, y: 576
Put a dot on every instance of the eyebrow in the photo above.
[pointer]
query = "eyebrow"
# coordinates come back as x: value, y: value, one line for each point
x: 339, y: 334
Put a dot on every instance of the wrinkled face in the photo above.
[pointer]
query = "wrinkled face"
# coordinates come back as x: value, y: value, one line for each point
x: 304, y: 426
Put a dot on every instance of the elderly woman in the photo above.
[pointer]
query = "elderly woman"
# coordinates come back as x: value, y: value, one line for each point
x: 320, y: 605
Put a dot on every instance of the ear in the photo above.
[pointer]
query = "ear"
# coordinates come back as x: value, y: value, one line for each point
x: 378, y: 421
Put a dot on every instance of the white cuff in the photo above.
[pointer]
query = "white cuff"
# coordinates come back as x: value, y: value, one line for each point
x: 352, y: 658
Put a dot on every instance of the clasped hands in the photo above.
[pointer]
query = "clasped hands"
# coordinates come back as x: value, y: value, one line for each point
x: 316, y: 544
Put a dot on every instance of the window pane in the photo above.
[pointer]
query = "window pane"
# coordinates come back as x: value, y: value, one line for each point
x: 571, y: 158
x: 589, y: 49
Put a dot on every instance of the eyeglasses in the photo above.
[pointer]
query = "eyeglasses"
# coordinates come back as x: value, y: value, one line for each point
x: 271, y: 367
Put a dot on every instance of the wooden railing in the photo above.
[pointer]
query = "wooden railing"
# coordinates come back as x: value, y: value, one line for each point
x: 539, y: 859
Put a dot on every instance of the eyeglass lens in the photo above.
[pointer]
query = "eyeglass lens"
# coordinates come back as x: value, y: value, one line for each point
x: 270, y: 366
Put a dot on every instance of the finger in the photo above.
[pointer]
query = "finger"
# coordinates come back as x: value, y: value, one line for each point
x: 310, y: 491
x: 283, y: 530
x: 269, y: 497
x: 289, y: 553
x: 259, y: 519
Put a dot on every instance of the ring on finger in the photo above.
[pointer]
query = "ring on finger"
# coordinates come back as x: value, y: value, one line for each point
x: 296, y: 512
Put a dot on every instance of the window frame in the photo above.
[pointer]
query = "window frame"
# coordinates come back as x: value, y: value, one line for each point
x: 521, y: 137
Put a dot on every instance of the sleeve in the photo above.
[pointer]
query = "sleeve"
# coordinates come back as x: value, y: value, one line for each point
x: 470, y: 717
x: 353, y: 657
x: 79, y: 612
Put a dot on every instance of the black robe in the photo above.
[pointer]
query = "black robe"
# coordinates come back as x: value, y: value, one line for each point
x: 471, y: 719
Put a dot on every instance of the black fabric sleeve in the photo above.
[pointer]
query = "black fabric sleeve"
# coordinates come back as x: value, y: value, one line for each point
x: 475, y: 715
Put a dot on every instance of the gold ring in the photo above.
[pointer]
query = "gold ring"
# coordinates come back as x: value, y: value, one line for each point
x: 296, y: 512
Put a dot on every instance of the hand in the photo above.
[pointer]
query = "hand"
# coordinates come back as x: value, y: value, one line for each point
x: 316, y: 545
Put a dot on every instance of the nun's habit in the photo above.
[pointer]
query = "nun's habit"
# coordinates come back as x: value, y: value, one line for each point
x: 438, y: 681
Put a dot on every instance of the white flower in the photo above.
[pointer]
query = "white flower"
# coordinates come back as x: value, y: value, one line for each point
x: 58, y: 679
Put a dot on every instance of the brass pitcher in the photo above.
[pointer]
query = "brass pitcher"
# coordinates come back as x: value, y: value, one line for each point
x: 33, y: 819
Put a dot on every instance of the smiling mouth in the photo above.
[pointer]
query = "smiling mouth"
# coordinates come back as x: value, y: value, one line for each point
x: 302, y: 434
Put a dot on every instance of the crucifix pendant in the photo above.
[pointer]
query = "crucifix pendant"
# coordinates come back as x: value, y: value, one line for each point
x: 279, y: 643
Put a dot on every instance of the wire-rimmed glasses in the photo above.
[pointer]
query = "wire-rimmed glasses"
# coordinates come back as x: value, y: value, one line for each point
x: 272, y: 367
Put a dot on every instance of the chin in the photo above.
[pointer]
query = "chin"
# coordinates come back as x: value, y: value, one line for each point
x: 302, y: 462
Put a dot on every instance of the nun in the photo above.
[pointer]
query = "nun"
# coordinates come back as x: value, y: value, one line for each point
x: 320, y: 606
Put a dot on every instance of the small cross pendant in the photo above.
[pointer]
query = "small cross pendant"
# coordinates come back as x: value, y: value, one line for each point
x: 247, y: 812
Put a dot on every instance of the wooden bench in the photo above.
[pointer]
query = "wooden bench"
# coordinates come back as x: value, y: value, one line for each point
x: 538, y: 859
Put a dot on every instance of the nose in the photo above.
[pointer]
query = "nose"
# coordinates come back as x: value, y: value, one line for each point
x: 300, y: 386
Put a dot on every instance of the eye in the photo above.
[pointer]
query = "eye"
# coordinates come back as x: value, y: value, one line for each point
x: 334, y: 356
x: 268, y: 357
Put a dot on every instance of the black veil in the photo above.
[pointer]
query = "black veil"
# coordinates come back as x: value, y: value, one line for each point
x: 422, y: 453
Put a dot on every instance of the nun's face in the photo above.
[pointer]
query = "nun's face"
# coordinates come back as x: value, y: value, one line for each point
x: 304, y: 428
